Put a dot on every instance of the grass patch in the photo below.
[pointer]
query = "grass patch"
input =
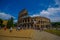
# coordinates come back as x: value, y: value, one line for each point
x: 56, y: 32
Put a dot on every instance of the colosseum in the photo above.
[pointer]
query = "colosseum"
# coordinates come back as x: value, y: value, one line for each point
x: 26, y: 22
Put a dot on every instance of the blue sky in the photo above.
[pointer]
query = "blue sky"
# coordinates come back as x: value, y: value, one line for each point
x: 46, y: 8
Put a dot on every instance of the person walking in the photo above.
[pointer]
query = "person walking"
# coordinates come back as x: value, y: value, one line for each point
x: 5, y: 28
x: 18, y: 28
x: 10, y: 29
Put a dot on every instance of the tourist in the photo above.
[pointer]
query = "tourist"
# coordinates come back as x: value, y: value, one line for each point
x: 10, y: 29
x: 5, y: 28
x: 18, y: 28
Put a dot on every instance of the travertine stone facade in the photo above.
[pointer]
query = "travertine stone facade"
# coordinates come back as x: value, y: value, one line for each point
x: 25, y: 21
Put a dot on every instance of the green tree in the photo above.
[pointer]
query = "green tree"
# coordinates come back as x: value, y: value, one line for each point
x: 56, y: 25
x: 1, y: 22
x: 10, y: 23
x: 15, y: 24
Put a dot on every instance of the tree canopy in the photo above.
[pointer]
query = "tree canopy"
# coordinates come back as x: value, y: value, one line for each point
x: 10, y: 22
x: 56, y: 24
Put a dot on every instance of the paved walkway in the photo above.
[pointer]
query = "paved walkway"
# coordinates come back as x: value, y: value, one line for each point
x: 36, y: 35
x: 44, y: 36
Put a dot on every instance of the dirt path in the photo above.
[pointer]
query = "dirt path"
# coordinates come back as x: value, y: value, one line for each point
x: 27, y: 35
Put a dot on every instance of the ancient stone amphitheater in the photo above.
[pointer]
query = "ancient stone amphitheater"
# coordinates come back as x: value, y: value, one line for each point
x: 26, y: 22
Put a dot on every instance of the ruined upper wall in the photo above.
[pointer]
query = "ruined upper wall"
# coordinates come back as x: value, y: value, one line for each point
x: 23, y: 13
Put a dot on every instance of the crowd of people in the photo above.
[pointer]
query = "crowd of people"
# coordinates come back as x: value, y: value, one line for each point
x: 11, y: 28
x: 18, y: 28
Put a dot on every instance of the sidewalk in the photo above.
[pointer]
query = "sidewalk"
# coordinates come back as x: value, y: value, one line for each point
x: 28, y: 34
x: 44, y: 36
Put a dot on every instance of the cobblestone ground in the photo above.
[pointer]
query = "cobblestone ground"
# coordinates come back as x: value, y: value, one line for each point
x: 27, y: 35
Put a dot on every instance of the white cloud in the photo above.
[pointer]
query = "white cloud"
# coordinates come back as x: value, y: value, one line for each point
x: 35, y: 15
x: 5, y: 16
x: 44, y: 12
x: 55, y: 19
x: 52, y: 13
x: 15, y: 21
x: 57, y: 2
